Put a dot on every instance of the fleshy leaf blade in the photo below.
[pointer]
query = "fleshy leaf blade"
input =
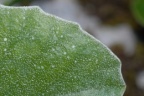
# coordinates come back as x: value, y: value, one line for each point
x: 47, y: 56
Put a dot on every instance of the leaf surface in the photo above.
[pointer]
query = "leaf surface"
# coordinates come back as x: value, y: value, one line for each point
x: 43, y: 55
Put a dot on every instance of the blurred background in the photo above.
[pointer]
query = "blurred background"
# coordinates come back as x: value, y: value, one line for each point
x: 116, y: 23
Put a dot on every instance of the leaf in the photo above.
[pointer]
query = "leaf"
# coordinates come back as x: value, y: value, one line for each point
x: 43, y: 55
x: 138, y: 10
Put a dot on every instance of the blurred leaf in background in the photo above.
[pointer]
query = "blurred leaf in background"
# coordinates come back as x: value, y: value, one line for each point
x: 138, y: 10
x: 21, y: 2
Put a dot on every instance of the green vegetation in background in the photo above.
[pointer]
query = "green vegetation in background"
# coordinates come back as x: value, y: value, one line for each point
x: 138, y: 10
x: 21, y: 2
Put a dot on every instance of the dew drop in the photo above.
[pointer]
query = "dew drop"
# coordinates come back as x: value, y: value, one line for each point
x: 53, y: 28
x: 61, y: 36
x: 5, y: 39
x: 42, y: 67
x: 68, y: 57
x: 38, y: 67
x: 5, y: 49
x: 58, y: 28
x: 34, y: 65
x: 65, y: 53
x: 73, y: 46
x: 57, y: 32
x: 96, y: 60
x: 33, y: 38
x: 53, y: 49
x: 24, y: 84
x: 75, y: 77
x: 16, y: 20
x: 53, y: 66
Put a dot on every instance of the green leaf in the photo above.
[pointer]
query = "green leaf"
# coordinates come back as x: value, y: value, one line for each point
x: 43, y: 55
x: 138, y: 10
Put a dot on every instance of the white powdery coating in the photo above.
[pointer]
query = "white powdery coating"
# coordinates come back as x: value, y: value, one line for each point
x: 54, y: 66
